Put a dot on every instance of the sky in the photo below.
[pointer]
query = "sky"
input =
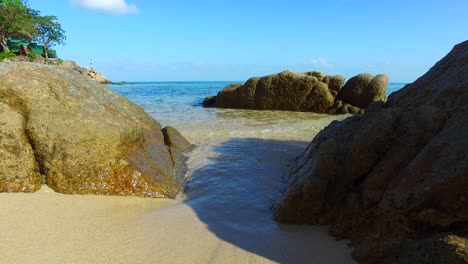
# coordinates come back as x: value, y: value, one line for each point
x: 209, y: 40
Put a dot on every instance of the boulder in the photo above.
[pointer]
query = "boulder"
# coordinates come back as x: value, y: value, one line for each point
x: 80, y: 136
x: 398, y: 171
x: 445, y: 248
x: 363, y: 89
x: 95, y: 75
x: 307, y: 92
x: 229, y: 96
x: 209, y: 101
x: 19, y: 171
x: 177, y: 146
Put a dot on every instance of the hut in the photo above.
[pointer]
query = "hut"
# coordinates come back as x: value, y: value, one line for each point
x: 22, y: 48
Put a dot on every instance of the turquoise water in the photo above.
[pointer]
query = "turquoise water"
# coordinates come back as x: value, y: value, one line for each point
x: 239, y: 168
x: 393, y: 87
x: 175, y: 103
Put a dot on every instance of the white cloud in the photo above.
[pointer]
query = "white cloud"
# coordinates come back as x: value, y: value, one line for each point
x: 319, y: 62
x: 115, y: 7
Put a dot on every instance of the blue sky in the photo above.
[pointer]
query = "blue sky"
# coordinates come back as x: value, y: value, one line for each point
x: 144, y: 40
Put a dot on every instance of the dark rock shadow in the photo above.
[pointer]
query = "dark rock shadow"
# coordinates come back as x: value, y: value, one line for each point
x: 234, y: 193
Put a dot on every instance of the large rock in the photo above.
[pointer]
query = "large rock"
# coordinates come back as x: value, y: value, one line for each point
x: 90, y: 73
x: 293, y: 91
x: 442, y: 248
x: 19, y: 171
x: 82, y: 137
x: 177, y: 146
x: 400, y: 170
x: 364, y: 89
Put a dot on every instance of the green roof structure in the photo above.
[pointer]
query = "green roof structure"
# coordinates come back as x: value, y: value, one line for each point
x: 16, y: 45
x: 52, y: 54
x: 24, y: 48
x: 37, y: 49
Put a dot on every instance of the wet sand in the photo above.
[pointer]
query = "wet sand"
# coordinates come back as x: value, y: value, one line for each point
x: 235, y: 176
x: 224, y: 218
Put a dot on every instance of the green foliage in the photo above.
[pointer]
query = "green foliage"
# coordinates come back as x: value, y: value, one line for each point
x: 32, y: 56
x: 50, y: 32
x: 18, y: 20
x: 6, y: 55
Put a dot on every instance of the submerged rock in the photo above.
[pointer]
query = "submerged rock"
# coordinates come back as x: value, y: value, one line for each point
x: 398, y: 171
x: 306, y: 92
x: 81, y: 136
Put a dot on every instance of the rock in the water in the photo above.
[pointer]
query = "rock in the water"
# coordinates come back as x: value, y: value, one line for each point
x: 209, y: 101
x: 293, y: 91
x: 363, y: 89
x: 177, y: 145
x: 400, y: 170
x: 81, y: 136
x: 174, y: 139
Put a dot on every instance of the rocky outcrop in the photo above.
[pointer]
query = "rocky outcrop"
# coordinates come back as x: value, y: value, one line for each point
x: 209, y: 101
x: 177, y: 146
x: 95, y: 75
x: 364, y: 89
x: 80, y: 136
x: 398, y: 172
x: 90, y: 73
x: 306, y: 92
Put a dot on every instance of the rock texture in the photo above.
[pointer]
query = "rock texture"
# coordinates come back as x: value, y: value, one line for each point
x: 307, y: 92
x: 90, y: 73
x: 399, y: 171
x: 209, y: 101
x: 82, y: 137
x: 177, y: 146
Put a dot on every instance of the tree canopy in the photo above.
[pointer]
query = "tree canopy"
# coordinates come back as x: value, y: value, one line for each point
x: 18, y: 20
x: 49, y: 32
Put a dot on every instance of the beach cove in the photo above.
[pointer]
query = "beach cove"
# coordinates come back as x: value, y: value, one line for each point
x: 236, y: 174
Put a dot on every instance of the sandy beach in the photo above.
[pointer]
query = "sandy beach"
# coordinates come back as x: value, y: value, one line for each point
x: 47, y: 227
x: 224, y: 215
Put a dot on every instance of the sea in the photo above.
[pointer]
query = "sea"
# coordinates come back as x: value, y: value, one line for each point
x: 239, y: 168
x: 179, y: 104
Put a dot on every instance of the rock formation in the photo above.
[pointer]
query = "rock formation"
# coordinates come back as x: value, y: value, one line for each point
x: 90, y: 73
x: 306, y: 92
x: 394, y: 180
x: 79, y: 137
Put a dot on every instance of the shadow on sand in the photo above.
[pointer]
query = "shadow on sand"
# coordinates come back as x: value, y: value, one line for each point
x: 234, y: 193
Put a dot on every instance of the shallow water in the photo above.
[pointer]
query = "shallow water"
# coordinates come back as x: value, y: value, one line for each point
x: 239, y: 169
x: 235, y: 175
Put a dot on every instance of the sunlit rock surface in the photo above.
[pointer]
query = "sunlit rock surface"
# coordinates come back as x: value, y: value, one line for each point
x: 79, y: 135
x: 305, y: 92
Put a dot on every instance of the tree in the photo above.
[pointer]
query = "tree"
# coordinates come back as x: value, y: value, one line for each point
x: 16, y: 20
x: 49, y: 33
